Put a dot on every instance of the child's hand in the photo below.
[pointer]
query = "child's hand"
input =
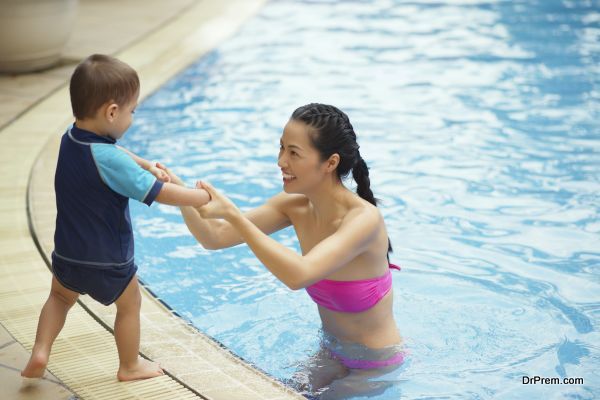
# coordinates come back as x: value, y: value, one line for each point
x: 173, y: 178
x: 159, y: 173
x: 219, y: 206
x: 202, y: 186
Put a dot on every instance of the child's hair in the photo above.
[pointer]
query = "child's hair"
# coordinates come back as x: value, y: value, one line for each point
x: 99, y: 79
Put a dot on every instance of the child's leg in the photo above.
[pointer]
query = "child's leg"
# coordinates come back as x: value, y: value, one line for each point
x: 127, y: 336
x: 52, y: 320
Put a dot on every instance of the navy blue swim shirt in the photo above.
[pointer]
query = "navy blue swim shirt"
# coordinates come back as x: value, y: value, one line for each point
x: 93, y: 241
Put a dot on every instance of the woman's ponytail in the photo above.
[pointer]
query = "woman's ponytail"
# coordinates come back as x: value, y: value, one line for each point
x: 360, y: 173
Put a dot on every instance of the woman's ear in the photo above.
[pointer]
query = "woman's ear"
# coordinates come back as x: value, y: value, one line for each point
x: 332, y: 162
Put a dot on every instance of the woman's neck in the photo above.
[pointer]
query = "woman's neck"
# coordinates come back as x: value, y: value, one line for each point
x: 330, y: 200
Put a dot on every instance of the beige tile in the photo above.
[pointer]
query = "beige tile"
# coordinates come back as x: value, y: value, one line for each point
x: 5, y: 337
x: 12, y: 360
x: 206, y: 381
x: 14, y: 356
x: 134, y: 19
x: 11, y: 387
x: 30, y: 86
x: 11, y: 106
x: 233, y: 393
x: 185, y: 365
x: 253, y: 382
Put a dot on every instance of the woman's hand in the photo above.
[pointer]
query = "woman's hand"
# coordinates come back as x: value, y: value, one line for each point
x: 219, y: 206
x: 172, y: 177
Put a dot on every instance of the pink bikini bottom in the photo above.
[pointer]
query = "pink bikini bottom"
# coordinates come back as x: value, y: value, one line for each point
x: 358, y: 356
x: 396, y: 359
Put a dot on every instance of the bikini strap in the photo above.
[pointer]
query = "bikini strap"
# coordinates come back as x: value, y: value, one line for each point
x: 394, y: 266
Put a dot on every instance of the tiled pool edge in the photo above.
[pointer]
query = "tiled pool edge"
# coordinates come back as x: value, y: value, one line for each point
x: 157, y: 57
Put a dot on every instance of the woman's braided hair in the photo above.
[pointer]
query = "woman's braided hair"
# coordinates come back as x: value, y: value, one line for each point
x: 333, y: 133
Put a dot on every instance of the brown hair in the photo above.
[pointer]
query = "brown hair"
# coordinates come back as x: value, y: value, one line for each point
x: 99, y: 79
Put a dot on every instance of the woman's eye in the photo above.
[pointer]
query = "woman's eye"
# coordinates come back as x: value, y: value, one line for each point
x: 294, y: 153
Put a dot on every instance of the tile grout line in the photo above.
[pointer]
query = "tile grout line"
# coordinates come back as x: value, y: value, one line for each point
x: 42, y: 378
x: 7, y: 344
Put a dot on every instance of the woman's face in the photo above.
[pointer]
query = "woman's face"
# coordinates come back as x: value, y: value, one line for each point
x: 299, y: 161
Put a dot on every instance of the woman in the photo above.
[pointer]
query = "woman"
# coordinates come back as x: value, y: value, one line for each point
x: 344, y: 262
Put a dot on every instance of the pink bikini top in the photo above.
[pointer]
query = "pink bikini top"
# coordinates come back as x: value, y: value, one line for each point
x: 351, y: 296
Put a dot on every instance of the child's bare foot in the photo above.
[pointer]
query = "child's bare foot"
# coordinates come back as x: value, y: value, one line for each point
x: 143, y: 369
x: 36, y: 366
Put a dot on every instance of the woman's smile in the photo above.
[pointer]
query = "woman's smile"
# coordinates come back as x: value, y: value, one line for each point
x: 287, y: 178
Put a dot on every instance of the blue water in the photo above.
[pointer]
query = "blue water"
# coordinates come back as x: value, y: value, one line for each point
x: 480, y: 121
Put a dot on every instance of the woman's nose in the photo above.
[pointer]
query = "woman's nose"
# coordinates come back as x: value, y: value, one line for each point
x: 281, y: 163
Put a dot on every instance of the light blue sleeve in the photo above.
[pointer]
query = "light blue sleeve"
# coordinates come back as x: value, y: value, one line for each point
x: 121, y: 173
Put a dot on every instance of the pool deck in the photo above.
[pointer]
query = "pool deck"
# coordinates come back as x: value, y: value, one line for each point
x: 158, y: 39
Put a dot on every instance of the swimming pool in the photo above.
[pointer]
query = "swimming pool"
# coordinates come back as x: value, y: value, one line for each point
x: 479, y: 121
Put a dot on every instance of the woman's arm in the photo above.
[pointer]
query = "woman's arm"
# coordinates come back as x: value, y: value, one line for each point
x: 297, y: 271
x: 215, y: 234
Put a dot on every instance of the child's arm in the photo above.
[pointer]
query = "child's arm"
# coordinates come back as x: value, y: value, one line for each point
x: 148, y: 166
x: 142, y: 162
x: 218, y: 234
x: 176, y: 195
x: 204, y: 230
x: 119, y: 171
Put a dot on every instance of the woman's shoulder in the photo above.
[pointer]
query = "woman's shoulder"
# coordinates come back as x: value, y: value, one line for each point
x: 363, y: 213
x: 286, y: 202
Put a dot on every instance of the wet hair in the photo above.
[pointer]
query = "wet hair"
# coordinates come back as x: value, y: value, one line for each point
x: 331, y: 132
x: 99, y: 79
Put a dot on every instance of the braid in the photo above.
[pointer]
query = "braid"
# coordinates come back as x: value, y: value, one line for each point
x: 360, y: 173
x: 319, y: 116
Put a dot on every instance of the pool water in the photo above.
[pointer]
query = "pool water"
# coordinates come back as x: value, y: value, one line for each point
x: 480, y: 122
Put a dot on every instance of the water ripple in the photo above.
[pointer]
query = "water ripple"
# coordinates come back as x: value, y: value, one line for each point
x: 479, y: 122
